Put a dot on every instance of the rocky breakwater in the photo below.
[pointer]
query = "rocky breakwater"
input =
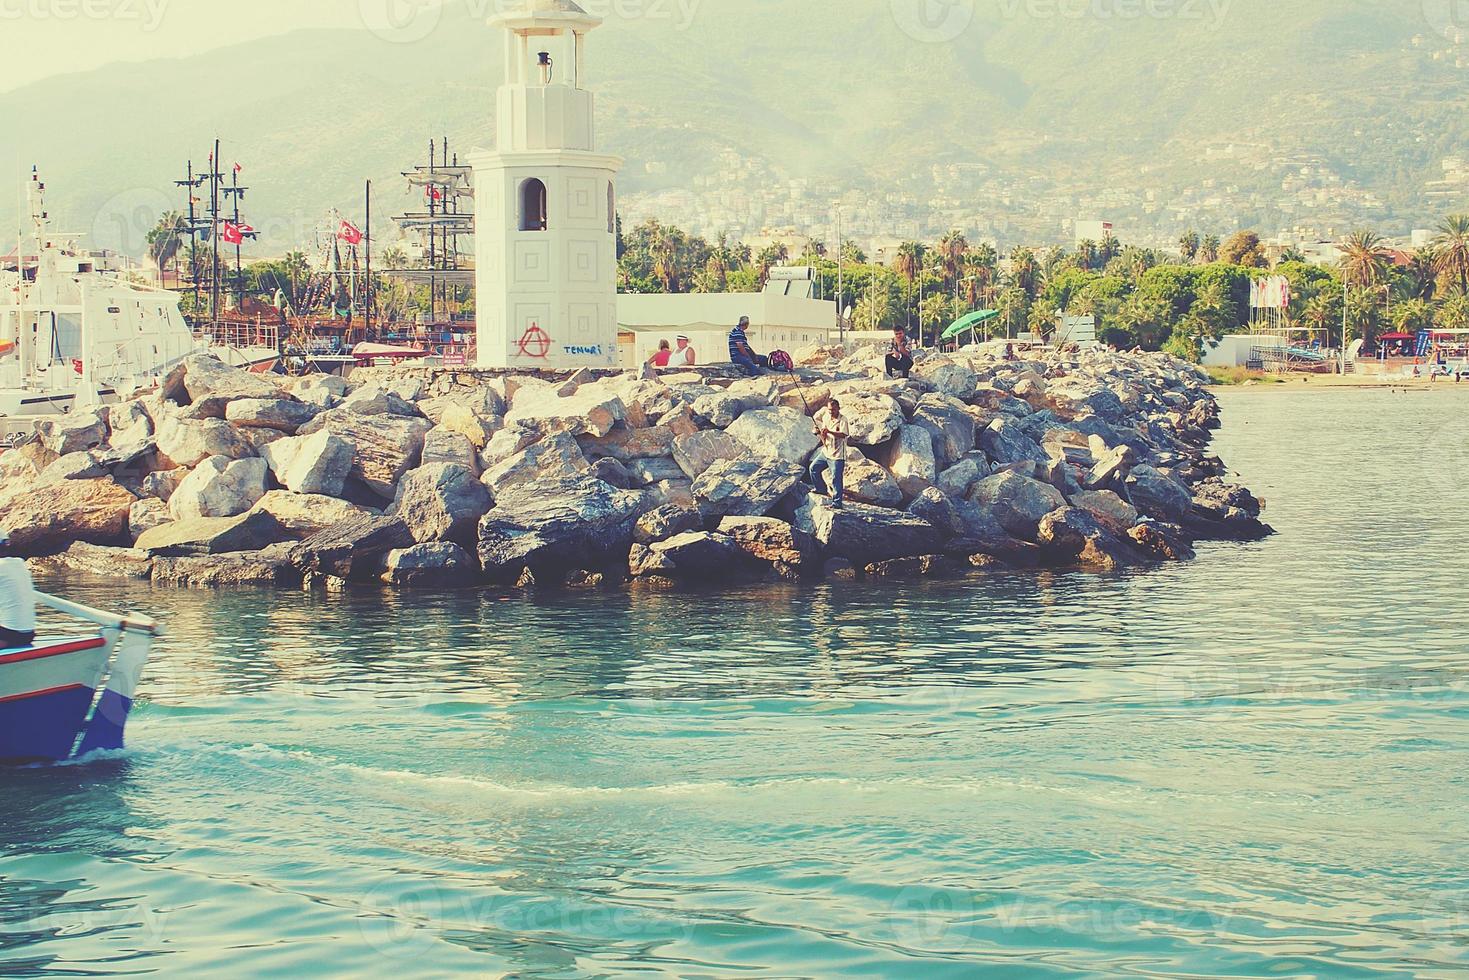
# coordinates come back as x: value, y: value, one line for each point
x: 454, y: 480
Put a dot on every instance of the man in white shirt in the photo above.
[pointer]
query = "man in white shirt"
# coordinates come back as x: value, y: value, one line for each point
x: 17, y: 600
x: 834, y: 432
x: 684, y: 355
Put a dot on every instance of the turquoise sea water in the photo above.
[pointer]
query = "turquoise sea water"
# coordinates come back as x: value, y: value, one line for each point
x: 1254, y: 764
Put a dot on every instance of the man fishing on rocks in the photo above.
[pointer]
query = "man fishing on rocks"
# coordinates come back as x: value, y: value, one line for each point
x: 834, y: 432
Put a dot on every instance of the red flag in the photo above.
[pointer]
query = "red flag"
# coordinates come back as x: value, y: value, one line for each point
x: 238, y: 168
x: 235, y: 234
x: 435, y: 194
x: 350, y: 233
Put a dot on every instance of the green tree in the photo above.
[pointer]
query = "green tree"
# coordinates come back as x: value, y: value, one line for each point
x: 909, y: 264
x: 1209, y: 250
x: 1244, y: 248
x: 1188, y: 246
x: 1364, y: 259
x: 1453, y: 313
x: 1451, y: 251
x: 167, y: 239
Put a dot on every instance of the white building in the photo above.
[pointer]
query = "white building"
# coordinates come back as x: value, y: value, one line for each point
x: 1092, y: 231
x: 781, y: 318
x: 546, y: 264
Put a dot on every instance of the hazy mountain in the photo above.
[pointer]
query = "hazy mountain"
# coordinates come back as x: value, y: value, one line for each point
x: 1054, y: 113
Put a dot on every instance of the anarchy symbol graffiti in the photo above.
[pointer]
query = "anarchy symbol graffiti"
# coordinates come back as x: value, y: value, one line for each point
x: 535, y: 342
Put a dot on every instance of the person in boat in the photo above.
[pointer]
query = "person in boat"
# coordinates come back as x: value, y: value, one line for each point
x: 17, y: 600
x: 900, y: 355
x: 742, y: 354
x: 834, y: 432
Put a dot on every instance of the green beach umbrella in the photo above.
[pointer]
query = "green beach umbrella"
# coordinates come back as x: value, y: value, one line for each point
x: 969, y: 322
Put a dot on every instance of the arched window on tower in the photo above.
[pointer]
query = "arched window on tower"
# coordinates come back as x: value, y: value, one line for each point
x: 611, y: 209
x: 532, y: 205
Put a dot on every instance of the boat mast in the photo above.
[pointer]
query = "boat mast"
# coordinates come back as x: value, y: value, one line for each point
x: 191, y: 183
x: 237, y: 192
x: 22, y: 342
x: 214, y: 180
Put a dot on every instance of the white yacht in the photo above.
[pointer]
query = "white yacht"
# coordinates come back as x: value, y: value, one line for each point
x: 74, y: 333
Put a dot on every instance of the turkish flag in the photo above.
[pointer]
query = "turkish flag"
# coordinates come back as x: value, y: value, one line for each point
x: 350, y: 233
x: 235, y: 234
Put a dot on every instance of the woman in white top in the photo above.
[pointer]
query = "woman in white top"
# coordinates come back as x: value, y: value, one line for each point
x: 17, y: 600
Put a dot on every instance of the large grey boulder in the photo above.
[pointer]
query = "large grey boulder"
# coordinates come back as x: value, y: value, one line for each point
x: 384, y: 447
x: 958, y: 480
x: 697, y: 451
x: 554, y: 526
x: 73, y: 466
x: 590, y: 411
x: 1017, y: 502
x: 211, y: 535
x: 1106, y: 507
x: 699, y: 553
x: 145, y: 515
x: 75, y: 433
x: 666, y: 521
x: 557, y: 457
x: 1072, y: 534
x: 745, y: 487
x: 442, y: 502
x: 771, y: 541
x: 645, y: 472
x: 305, y: 514
x: 470, y: 421
x: 280, y: 414
x: 208, y: 385
x: 314, y: 464
x: 967, y: 528
x: 720, y: 408
x: 188, y: 442
x: 373, y: 400
x: 626, y: 445
x: 949, y: 423
x: 909, y: 458
x: 949, y: 377
x: 1004, y: 441
x: 867, y: 482
x: 44, y: 520
x: 355, y: 549
x: 776, y: 433
x: 873, y: 418
x: 1159, y: 495
x: 863, y: 534
x: 442, y: 445
x: 430, y: 565
x: 220, y: 487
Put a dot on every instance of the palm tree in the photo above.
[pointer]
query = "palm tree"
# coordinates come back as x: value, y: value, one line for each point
x: 909, y: 264
x: 1451, y: 250
x: 1209, y: 250
x: 1012, y: 303
x: 1364, y: 260
x: 1086, y: 254
x: 1188, y: 246
x: 952, y: 248
x: 1420, y: 275
x: 1108, y: 249
x: 165, y: 240
x: 1321, y: 314
x: 1024, y: 271
x: 1413, y: 315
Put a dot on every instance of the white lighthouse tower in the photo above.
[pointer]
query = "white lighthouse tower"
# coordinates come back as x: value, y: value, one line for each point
x: 546, y: 265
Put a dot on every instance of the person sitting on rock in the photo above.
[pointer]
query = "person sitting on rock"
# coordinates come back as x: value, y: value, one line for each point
x: 742, y: 354
x: 832, y: 455
x: 662, y: 355
x: 900, y: 355
x: 685, y: 355
x: 17, y: 600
